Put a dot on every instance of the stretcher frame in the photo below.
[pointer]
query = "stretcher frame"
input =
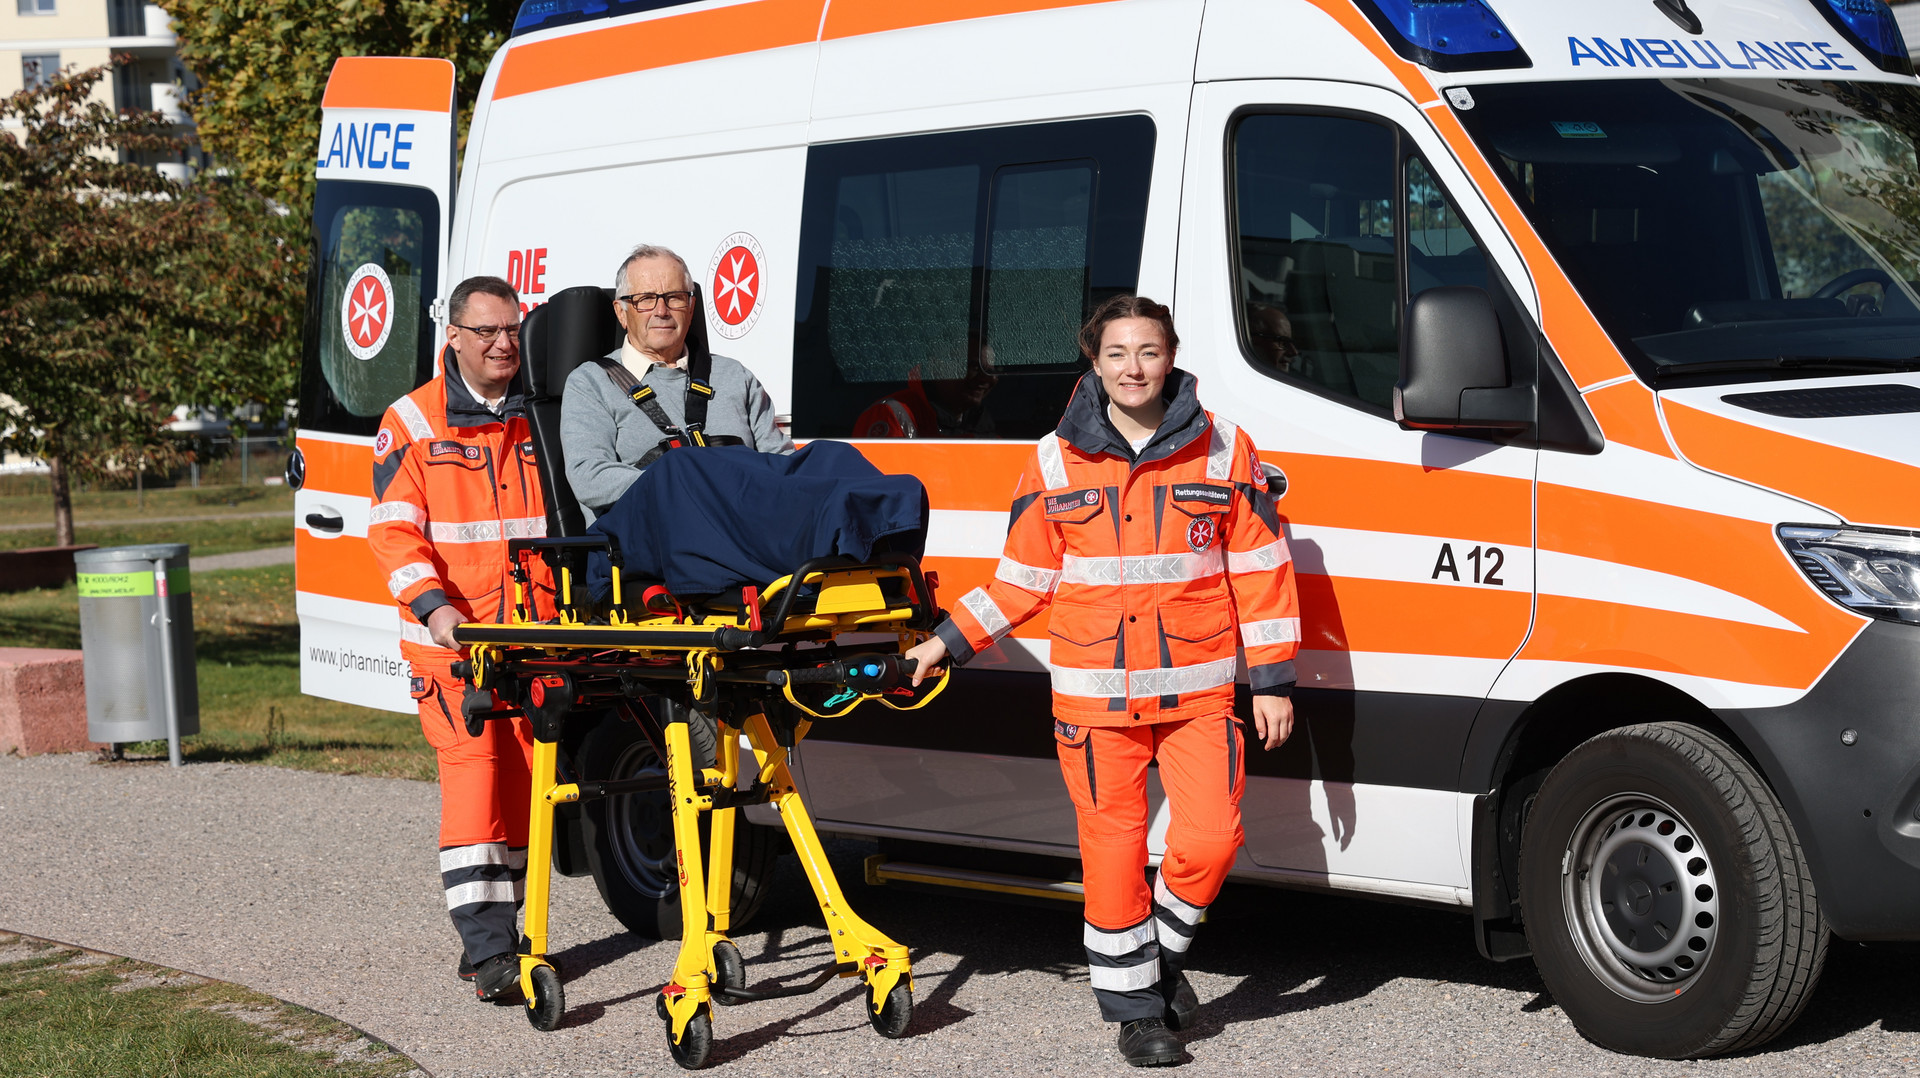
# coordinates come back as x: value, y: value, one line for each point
x: 737, y: 663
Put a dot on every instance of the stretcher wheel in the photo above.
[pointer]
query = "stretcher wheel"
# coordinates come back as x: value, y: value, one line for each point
x: 729, y: 971
x: 694, y: 1045
x: 890, y: 1021
x: 549, y: 999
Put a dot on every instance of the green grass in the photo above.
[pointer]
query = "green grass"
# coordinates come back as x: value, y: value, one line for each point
x: 66, y: 1012
x: 111, y: 518
x: 246, y: 643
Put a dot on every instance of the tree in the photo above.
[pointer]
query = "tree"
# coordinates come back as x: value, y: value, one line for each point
x: 263, y: 66
x: 123, y: 295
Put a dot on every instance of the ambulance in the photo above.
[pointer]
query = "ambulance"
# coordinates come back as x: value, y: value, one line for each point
x: 1583, y: 339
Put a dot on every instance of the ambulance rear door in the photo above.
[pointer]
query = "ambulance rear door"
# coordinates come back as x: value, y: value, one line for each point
x: 381, y: 209
x: 1315, y: 211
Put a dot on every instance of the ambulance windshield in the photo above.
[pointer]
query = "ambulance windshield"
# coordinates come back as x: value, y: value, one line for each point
x: 1725, y: 227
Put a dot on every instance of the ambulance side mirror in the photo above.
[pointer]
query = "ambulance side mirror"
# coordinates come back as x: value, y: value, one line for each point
x: 1453, y: 374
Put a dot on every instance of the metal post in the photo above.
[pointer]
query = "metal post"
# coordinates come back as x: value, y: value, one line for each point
x: 165, y: 618
x: 243, y: 460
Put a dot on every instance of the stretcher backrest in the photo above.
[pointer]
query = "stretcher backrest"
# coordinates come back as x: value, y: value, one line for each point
x: 576, y: 326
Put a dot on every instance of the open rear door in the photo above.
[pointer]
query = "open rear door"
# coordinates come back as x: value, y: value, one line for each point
x: 382, y: 208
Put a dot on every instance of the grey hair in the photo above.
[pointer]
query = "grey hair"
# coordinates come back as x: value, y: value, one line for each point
x: 647, y: 250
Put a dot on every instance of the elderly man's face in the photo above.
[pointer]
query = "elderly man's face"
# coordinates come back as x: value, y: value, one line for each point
x: 1272, y: 334
x: 662, y: 331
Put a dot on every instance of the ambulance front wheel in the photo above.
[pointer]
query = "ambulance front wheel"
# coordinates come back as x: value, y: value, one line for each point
x: 890, y: 1021
x: 1668, y: 903
x: 549, y: 999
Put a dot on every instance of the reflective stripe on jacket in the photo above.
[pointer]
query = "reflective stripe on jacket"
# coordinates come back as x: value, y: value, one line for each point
x: 452, y: 483
x: 1156, y: 566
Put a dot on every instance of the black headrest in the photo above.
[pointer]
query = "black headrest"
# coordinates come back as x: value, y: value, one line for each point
x: 576, y: 326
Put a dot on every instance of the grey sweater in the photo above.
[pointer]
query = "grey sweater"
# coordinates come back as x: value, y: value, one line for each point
x: 603, y: 432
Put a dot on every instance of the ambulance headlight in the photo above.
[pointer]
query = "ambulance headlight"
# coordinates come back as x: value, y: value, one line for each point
x: 1446, y: 35
x: 1873, y: 572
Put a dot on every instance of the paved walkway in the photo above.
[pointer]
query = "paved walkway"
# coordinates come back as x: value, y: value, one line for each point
x: 323, y: 890
x: 244, y: 559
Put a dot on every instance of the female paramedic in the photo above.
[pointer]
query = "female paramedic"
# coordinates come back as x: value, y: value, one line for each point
x: 1145, y: 522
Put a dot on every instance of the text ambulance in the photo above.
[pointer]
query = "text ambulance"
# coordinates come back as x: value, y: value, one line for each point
x: 1583, y: 338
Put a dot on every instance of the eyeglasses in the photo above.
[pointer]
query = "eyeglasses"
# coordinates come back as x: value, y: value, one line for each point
x: 488, y: 334
x: 1285, y: 343
x: 647, y: 301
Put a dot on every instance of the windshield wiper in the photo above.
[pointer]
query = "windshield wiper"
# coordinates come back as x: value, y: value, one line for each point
x: 1862, y: 364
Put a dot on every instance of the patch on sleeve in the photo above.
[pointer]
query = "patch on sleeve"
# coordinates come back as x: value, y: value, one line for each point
x: 382, y: 442
x: 1074, y: 506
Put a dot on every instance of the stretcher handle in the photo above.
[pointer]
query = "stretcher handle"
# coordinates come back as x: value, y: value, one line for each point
x: 867, y: 673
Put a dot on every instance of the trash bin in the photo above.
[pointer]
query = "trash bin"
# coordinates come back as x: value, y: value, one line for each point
x: 124, y: 649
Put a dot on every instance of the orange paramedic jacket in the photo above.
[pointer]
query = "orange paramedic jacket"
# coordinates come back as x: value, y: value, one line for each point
x: 452, y: 482
x: 1155, y: 567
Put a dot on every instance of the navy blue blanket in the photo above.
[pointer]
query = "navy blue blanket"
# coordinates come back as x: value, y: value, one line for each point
x: 708, y: 520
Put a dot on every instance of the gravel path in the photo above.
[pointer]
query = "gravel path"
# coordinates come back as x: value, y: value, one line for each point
x: 244, y: 559
x: 321, y: 890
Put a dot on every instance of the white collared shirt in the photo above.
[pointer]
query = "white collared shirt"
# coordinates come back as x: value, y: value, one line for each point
x: 637, y: 362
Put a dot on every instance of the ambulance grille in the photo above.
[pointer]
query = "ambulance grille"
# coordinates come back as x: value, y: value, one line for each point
x: 1831, y: 402
x: 1820, y: 576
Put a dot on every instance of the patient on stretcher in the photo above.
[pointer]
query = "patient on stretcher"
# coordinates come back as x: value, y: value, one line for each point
x: 706, y: 521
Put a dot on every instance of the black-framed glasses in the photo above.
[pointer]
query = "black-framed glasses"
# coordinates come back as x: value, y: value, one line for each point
x: 647, y: 301
x: 1279, y: 340
x: 488, y: 334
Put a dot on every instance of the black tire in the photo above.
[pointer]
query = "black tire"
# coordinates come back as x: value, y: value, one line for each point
x: 891, y: 1020
x: 729, y: 971
x: 1668, y: 904
x: 629, y: 837
x: 695, y: 1043
x: 549, y: 999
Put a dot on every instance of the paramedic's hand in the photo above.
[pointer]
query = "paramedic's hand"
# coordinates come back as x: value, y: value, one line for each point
x: 440, y: 625
x: 927, y: 656
x: 1273, y: 719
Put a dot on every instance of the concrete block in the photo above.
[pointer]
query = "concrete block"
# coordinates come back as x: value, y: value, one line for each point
x: 43, y: 701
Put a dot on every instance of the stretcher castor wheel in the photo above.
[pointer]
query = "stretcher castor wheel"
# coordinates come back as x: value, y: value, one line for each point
x: 549, y: 1000
x: 729, y: 971
x: 695, y: 1043
x: 890, y: 1021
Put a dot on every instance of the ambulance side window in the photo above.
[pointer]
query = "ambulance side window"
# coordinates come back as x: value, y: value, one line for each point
x: 943, y: 278
x: 1331, y: 214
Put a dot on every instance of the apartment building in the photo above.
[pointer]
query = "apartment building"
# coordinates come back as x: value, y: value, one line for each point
x: 40, y: 37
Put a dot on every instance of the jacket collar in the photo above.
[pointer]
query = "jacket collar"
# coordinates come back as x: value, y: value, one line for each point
x: 1086, y: 427
x: 465, y: 410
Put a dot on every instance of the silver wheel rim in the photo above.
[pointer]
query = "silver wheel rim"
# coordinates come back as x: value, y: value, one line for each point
x: 1641, y: 897
x: 640, y: 825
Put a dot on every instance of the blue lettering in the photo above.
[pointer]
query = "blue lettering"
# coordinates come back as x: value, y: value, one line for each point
x: 401, y: 129
x: 356, y: 149
x: 334, y: 153
x: 1778, y: 51
x: 1796, y: 46
x: 1579, y: 48
x: 1630, y: 54
x: 1826, y: 50
x: 1724, y: 60
x: 1755, y: 59
x: 1659, y: 52
x: 1703, y: 60
x: 376, y: 132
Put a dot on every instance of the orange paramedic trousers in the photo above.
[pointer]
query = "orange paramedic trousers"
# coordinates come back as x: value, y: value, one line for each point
x: 1136, y: 934
x: 485, y: 786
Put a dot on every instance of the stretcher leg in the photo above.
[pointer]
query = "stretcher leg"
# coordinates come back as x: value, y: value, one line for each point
x: 684, y: 1001
x: 539, y: 982
x: 881, y: 962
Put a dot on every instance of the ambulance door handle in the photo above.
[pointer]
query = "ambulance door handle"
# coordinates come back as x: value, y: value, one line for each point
x: 327, y: 520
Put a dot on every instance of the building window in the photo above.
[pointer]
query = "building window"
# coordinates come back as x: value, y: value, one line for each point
x: 38, y: 68
x: 39, y: 7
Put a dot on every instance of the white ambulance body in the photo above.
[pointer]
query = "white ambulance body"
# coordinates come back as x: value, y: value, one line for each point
x: 1643, y: 274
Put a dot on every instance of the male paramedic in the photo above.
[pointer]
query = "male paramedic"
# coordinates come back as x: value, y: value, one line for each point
x: 1145, y: 523
x: 454, y: 480
x: 618, y: 415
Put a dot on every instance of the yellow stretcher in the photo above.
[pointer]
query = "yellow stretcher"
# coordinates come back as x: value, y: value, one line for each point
x: 741, y: 665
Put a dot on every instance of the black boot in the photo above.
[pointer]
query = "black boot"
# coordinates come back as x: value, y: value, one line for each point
x: 1147, y: 1042
x: 497, y: 976
x: 1182, y: 1005
x: 465, y: 972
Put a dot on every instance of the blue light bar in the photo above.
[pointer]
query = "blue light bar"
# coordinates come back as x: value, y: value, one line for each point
x: 1447, y: 35
x: 542, y: 14
x: 1869, y: 26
